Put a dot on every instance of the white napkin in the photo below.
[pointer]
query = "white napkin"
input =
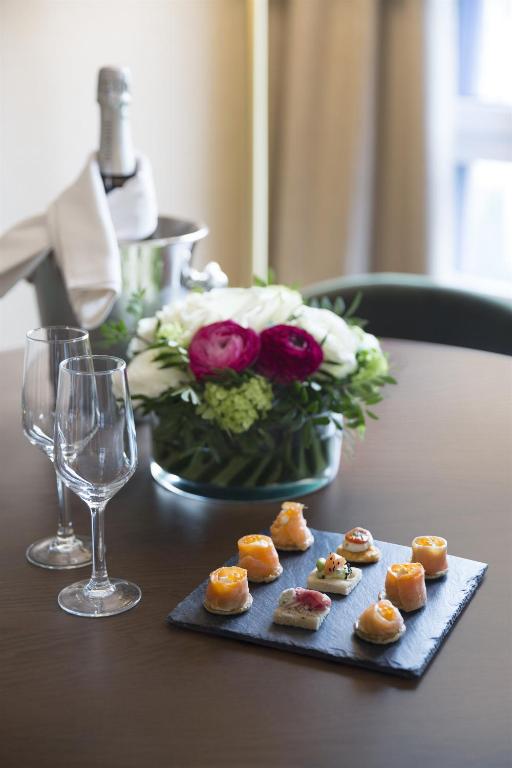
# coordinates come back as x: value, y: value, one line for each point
x: 83, y: 227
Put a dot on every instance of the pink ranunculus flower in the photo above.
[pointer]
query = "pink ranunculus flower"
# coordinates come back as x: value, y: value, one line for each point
x: 222, y: 345
x: 288, y: 354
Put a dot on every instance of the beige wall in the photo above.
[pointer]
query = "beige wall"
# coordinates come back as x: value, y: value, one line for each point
x: 190, y: 113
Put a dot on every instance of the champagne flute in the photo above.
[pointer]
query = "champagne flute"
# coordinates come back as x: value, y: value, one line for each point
x: 45, y: 348
x: 95, y: 455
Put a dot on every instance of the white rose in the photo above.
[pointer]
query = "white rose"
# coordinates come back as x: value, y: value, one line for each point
x: 375, y: 362
x: 365, y: 341
x: 135, y: 345
x: 198, y: 309
x: 254, y: 308
x: 146, y: 328
x: 339, y: 344
x: 271, y: 305
x: 146, y: 378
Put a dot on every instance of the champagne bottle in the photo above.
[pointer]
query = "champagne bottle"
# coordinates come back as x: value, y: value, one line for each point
x: 116, y: 156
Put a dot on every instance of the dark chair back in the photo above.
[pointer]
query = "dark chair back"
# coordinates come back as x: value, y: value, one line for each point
x: 415, y: 307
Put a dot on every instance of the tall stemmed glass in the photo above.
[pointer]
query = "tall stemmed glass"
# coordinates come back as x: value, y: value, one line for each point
x: 95, y: 455
x: 45, y: 348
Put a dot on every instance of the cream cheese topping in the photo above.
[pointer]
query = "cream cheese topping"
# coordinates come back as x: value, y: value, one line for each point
x: 351, y: 547
x: 260, y: 543
x: 287, y: 597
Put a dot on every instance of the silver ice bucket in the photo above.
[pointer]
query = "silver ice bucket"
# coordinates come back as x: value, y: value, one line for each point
x: 159, y: 270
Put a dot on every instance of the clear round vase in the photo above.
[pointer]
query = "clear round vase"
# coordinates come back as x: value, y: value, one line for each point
x: 278, y: 464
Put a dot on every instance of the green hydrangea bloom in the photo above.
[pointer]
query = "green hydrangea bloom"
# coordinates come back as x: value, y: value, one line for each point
x: 171, y: 332
x: 235, y: 409
x: 372, y: 363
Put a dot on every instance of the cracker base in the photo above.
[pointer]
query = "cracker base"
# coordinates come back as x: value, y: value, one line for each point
x: 335, y: 586
x: 293, y: 618
x: 371, y: 555
x: 267, y: 579
x: 378, y: 640
x: 234, y: 612
x: 309, y: 541
x: 436, y: 575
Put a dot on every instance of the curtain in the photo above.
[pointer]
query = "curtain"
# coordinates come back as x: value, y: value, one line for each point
x: 348, y: 138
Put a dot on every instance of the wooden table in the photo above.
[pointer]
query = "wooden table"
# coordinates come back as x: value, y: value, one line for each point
x: 129, y: 691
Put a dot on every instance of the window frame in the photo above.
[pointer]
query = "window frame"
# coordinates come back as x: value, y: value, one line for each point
x: 474, y: 130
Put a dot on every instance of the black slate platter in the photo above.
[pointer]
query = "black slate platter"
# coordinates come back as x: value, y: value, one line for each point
x: 335, y: 640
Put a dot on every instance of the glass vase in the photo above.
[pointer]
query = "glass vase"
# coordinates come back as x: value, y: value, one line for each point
x: 275, y: 464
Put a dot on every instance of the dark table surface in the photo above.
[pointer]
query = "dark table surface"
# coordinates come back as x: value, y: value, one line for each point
x: 130, y: 691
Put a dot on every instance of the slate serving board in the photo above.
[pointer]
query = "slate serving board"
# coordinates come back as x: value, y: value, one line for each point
x: 335, y: 640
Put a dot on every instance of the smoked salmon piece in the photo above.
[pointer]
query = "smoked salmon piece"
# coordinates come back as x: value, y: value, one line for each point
x: 257, y: 554
x: 380, y: 623
x: 289, y: 530
x: 405, y: 586
x: 228, y: 591
x: 431, y: 552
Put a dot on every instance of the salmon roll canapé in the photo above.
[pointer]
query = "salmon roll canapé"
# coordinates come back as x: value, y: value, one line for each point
x: 405, y: 586
x: 380, y: 623
x: 358, y: 547
x: 289, y: 530
x: 258, y: 556
x: 431, y: 552
x: 228, y: 591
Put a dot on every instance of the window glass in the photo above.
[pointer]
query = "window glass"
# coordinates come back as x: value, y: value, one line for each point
x: 484, y: 203
x: 483, y: 185
x: 485, y: 50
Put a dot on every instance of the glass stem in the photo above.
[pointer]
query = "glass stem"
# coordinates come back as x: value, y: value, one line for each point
x: 65, y: 530
x: 99, y: 581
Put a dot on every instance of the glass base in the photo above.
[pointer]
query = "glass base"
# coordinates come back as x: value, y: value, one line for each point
x: 273, y: 492
x: 60, y: 554
x: 280, y: 464
x: 81, y: 601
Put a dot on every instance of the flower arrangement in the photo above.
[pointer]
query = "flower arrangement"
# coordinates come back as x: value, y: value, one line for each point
x: 251, y: 387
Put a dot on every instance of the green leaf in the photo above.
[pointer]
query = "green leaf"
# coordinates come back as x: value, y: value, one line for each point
x: 261, y: 282
x: 339, y: 306
x: 359, y: 321
x: 356, y: 301
x: 114, y: 333
x: 324, y: 420
x: 135, y: 306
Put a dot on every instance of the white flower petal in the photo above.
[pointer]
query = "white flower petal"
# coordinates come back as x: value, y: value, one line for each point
x: 146, y: 328
x: 339, y: 344
x: 365, y: 341
x: 254, y: 307
x: 146, y: 378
